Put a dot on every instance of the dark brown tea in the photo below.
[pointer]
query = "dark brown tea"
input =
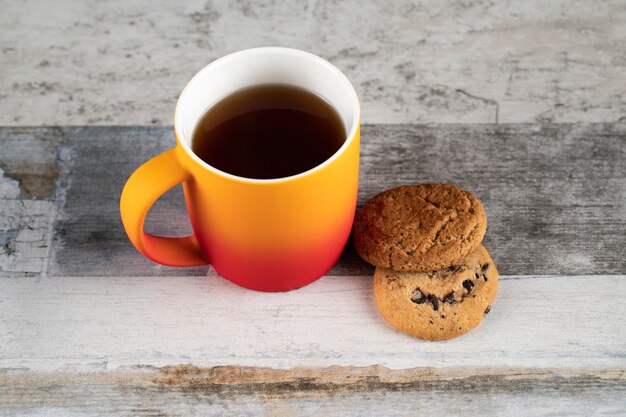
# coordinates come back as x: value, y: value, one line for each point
x: 268, y: 131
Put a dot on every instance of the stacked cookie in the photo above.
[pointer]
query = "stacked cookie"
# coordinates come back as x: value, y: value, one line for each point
x: 433, y: 278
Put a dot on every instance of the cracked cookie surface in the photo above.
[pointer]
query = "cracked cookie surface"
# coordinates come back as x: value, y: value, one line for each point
x: 421, y: 227
x: 438, y: 305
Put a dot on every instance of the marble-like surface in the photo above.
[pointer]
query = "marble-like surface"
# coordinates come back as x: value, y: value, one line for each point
x: 120, y: 62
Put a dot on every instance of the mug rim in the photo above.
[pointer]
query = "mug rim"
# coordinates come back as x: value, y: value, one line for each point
x: 356, y: 109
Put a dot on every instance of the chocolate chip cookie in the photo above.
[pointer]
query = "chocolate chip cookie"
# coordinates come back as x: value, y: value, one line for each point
x: 422, y: 227
x: 440, y: 304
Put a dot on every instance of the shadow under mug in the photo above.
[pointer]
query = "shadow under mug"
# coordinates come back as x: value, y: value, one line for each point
x: 267, y: 235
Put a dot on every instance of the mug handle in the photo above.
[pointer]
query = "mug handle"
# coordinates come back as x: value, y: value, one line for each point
x: 149, y: 182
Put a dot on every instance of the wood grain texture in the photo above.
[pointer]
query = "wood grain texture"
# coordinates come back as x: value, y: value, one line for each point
x: 33, y: 180
x: 86, y: 322
x: 434, y: 61
x: 555, y: 195
x: 90, y: 324
x: 371, y: 391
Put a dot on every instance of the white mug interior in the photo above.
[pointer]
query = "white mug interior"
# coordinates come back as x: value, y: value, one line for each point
x: 257, y: 66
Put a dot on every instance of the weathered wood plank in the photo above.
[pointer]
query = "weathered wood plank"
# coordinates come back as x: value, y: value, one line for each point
x: 66, y: 324
x: 555, y: 194
x: 430, y: 61
x: 31, y: 188
x: 371, y: 391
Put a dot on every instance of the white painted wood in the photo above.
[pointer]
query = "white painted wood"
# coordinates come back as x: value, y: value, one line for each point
x: 96, y: 323
x: 121, y: 62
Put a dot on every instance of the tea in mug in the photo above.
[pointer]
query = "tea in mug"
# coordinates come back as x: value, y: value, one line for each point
x: 268, y: 131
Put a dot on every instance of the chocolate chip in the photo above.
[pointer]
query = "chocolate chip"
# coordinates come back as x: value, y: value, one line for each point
x: 476, y: 275
x: 484, y: 271
x: 434, y: 301
x: 443, y: 316
x: 418, y: 298
x: 468, y: 285
x: 488, y: 309
x: 449, y: 298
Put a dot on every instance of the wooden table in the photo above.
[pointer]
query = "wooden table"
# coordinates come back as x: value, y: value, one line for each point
x: 523, y: 103
x: 88, y: 326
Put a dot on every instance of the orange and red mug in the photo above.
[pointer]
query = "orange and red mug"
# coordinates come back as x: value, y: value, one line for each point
x: 267, y: 235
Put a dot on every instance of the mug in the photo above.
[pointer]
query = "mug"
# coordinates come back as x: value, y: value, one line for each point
x: 262, y: 234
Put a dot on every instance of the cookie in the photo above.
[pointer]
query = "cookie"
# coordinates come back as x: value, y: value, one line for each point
x: 422, y: 227
x: 438, y: 305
